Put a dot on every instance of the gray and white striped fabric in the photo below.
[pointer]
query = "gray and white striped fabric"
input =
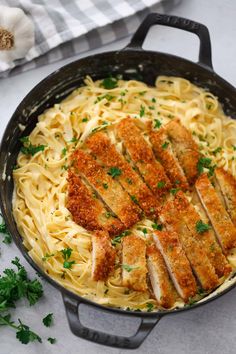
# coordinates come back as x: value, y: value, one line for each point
x: 64, y: 28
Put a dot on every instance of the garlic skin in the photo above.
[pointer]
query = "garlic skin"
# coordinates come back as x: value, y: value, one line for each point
x: 16, y: 35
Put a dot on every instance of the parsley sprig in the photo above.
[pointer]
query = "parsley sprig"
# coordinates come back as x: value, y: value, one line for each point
x: 30, y: 149
x: 23, y: 332
x: 201, y: 227
x: 3, y: 230
x: 116, y: 240
x: 66, y: 254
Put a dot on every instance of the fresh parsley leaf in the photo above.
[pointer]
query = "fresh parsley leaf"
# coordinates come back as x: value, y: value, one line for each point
x: 217, y: 150
x: 47, y: 255
x: 32, y: 149
x: 114, y: 172
x: 173, y: 191
x: 157, y: 124
x: 144, y: 231
x: 201, y: 227
x: 134, y: 199
x: 150, y: 307
x: 48, y: 320
x: 15, y: 285
x: 154, y: 100
x: 105, y: 185
x: 24, y: 139
x: 118, y: 238
x: 84, y: 120
x: 73, y: 140
x: 129, y: 180
x: 165, y: 145
x: 68, y: 264
x: 128, y: 268
x: 51, y: 340
x: 109, y: 83
x: 157, y: 226
x: 7, y: 237
x: 161, y: 184
x: 234, y: 147
x: 63, y: 151
x: 142, y: 111
x: 66, y: 253
x: 142, y: 93
x: 203, y: 162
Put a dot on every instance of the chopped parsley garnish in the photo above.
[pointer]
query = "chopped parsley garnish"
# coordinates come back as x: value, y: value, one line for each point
x: 84, y: 120
x: 66, y: 253
x: 176, y: 182
x: 128, y: 268
x: 144, y: 230
x: 106, y: 96
x: 158, y: 227
x: 117, y: 239
x: 161, y: 184
x: 173, y: 191
x: 142, y: 111
x: 63, y: 151
x: 205, y: 162
x: 64, y: 167
x: 32, y: 149
x: 234, y: 147
x: 105, y: 185
x: 3, y: 230
x: 157, y: 124
x: 68, y: 264
x: 45, y: 258
x: 142, y: 93
x: 129, y: 180
x: 165, y: 145
x: 108, y: 214
x: 201, y: 227
x: 150, y: 307
x: 109, y: 83
x: 134, y: 199
x: 154, y: 100
x: 51, y: 340
x: 217, y: 150
x: 24, y: 139
x: 73, y: 140
x: 114, y: 172
x: 48, y: 320
x: 151, y: 108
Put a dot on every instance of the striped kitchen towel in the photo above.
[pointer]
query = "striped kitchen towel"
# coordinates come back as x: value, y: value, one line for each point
x: 64, y: 28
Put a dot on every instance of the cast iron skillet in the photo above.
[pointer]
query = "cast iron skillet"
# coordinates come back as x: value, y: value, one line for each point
x: 132, y: 62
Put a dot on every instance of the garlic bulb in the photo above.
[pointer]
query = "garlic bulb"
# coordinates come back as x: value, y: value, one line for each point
x: 16, y: 35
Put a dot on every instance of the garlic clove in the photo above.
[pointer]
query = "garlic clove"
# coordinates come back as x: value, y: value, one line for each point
x: 21, y: 27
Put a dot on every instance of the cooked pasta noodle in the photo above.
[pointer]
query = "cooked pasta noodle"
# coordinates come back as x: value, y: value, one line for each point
x: 39, y: 202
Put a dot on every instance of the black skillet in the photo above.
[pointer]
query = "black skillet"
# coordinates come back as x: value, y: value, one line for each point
x: 133, y: 63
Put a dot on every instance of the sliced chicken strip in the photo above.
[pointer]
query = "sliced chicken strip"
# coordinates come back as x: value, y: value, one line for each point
x: 206, y: 239
x: 142, y: 155
x: 168, y: 159
x: 177, y: 263
x: 224, y: 228
x: 227, y: 184
x: 103, y: 256
x: 172, y: 218
x: 108, y: 189
x: 87, y: 210
x: 162, y: 286
x: 134, y: 268
x: 103, y: 149
x: 185, y: 148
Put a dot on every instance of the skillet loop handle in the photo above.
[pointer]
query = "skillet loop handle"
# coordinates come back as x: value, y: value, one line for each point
x: 176, y: 22
x: 72, y: 311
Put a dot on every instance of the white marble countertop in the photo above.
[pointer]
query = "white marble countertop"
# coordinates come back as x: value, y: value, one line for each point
x: 208, y: 329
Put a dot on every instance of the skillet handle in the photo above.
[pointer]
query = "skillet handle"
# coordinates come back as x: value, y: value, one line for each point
x: 177, y: 22
x: 72, y: 312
